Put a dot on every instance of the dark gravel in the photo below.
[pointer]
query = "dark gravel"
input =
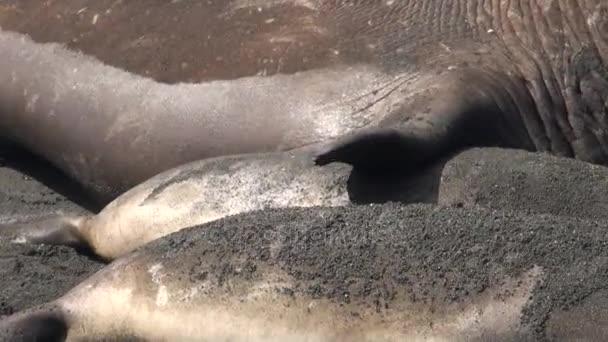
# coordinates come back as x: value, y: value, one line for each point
x: 29, y: 274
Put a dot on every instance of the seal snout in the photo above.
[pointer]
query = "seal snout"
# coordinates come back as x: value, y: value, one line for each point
x: 39, y: 325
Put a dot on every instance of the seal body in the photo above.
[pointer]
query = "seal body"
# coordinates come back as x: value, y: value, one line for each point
x: 516, y: 180
x: 191, y: 194
x: 392, y: 84
x: 111, y: 130
x: 385, y: 273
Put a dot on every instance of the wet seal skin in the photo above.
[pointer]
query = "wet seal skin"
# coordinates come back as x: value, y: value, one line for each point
x: 387, y: 85
x: 358, y: 273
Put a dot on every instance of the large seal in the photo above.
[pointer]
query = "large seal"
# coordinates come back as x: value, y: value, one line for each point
x: 383, y: 273
x: 188, y: 195
x: 517, y: 180
x: 411, y: 80
x: 111, y: 130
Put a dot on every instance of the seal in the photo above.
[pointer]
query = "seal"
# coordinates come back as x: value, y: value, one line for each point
x: 382, y: 273
x: 110, y: 130
x: 190, y: 194
x: 392, y: 84
x: 517, y: 180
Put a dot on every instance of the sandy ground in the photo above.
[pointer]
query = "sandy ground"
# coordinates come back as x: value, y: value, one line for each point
x: 29, y: 274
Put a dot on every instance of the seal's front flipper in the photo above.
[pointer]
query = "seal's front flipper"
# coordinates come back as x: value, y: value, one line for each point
x: 388, y: 165
x: 460, y: 109
x: 57, y: 229
x: 379, y: 150
x: 43, y: 324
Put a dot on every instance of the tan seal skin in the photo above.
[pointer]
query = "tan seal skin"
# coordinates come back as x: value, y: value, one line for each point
x: 126, y: 300
x: 412, y: 80
x: 233, y: 282
x: 389, y: 273
x: 191, y: 194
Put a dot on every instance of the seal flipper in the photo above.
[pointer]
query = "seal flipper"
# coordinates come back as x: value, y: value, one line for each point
x: 380, y: 150
x: 462, y: 109
x: 46, y: 323
x: 57, y: 229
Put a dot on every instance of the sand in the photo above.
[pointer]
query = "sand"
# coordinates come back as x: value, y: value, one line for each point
x: 30, y: 274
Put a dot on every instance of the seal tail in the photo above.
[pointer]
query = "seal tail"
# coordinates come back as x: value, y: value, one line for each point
x: 57, y: 229
x: 45, y: 323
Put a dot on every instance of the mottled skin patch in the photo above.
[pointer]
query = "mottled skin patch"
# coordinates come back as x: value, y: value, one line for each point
x: 384, y: 272
x: 185, y: 174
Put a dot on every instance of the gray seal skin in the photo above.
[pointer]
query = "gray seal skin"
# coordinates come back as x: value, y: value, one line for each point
x: 395, y: 84
x: 111, y: 130
x: 387, y: 273
x: 188, y: 195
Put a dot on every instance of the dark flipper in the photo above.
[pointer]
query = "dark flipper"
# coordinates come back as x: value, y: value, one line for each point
x: 54, y: 230
x: 44, y: 324
x: 462, y: 109
x: 378, y: 150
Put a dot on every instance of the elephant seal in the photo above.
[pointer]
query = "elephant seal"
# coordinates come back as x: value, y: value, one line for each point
x: 507, y: 179
x: 393, y: 85
x: 188, y: 195
x: 351, y: 273
x: 111, y: 130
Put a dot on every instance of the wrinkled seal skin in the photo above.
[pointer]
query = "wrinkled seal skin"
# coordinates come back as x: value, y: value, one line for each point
x: 425, y: 77
x: 339, y: 274
x: 188, y: 195
x: 528, y: 75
